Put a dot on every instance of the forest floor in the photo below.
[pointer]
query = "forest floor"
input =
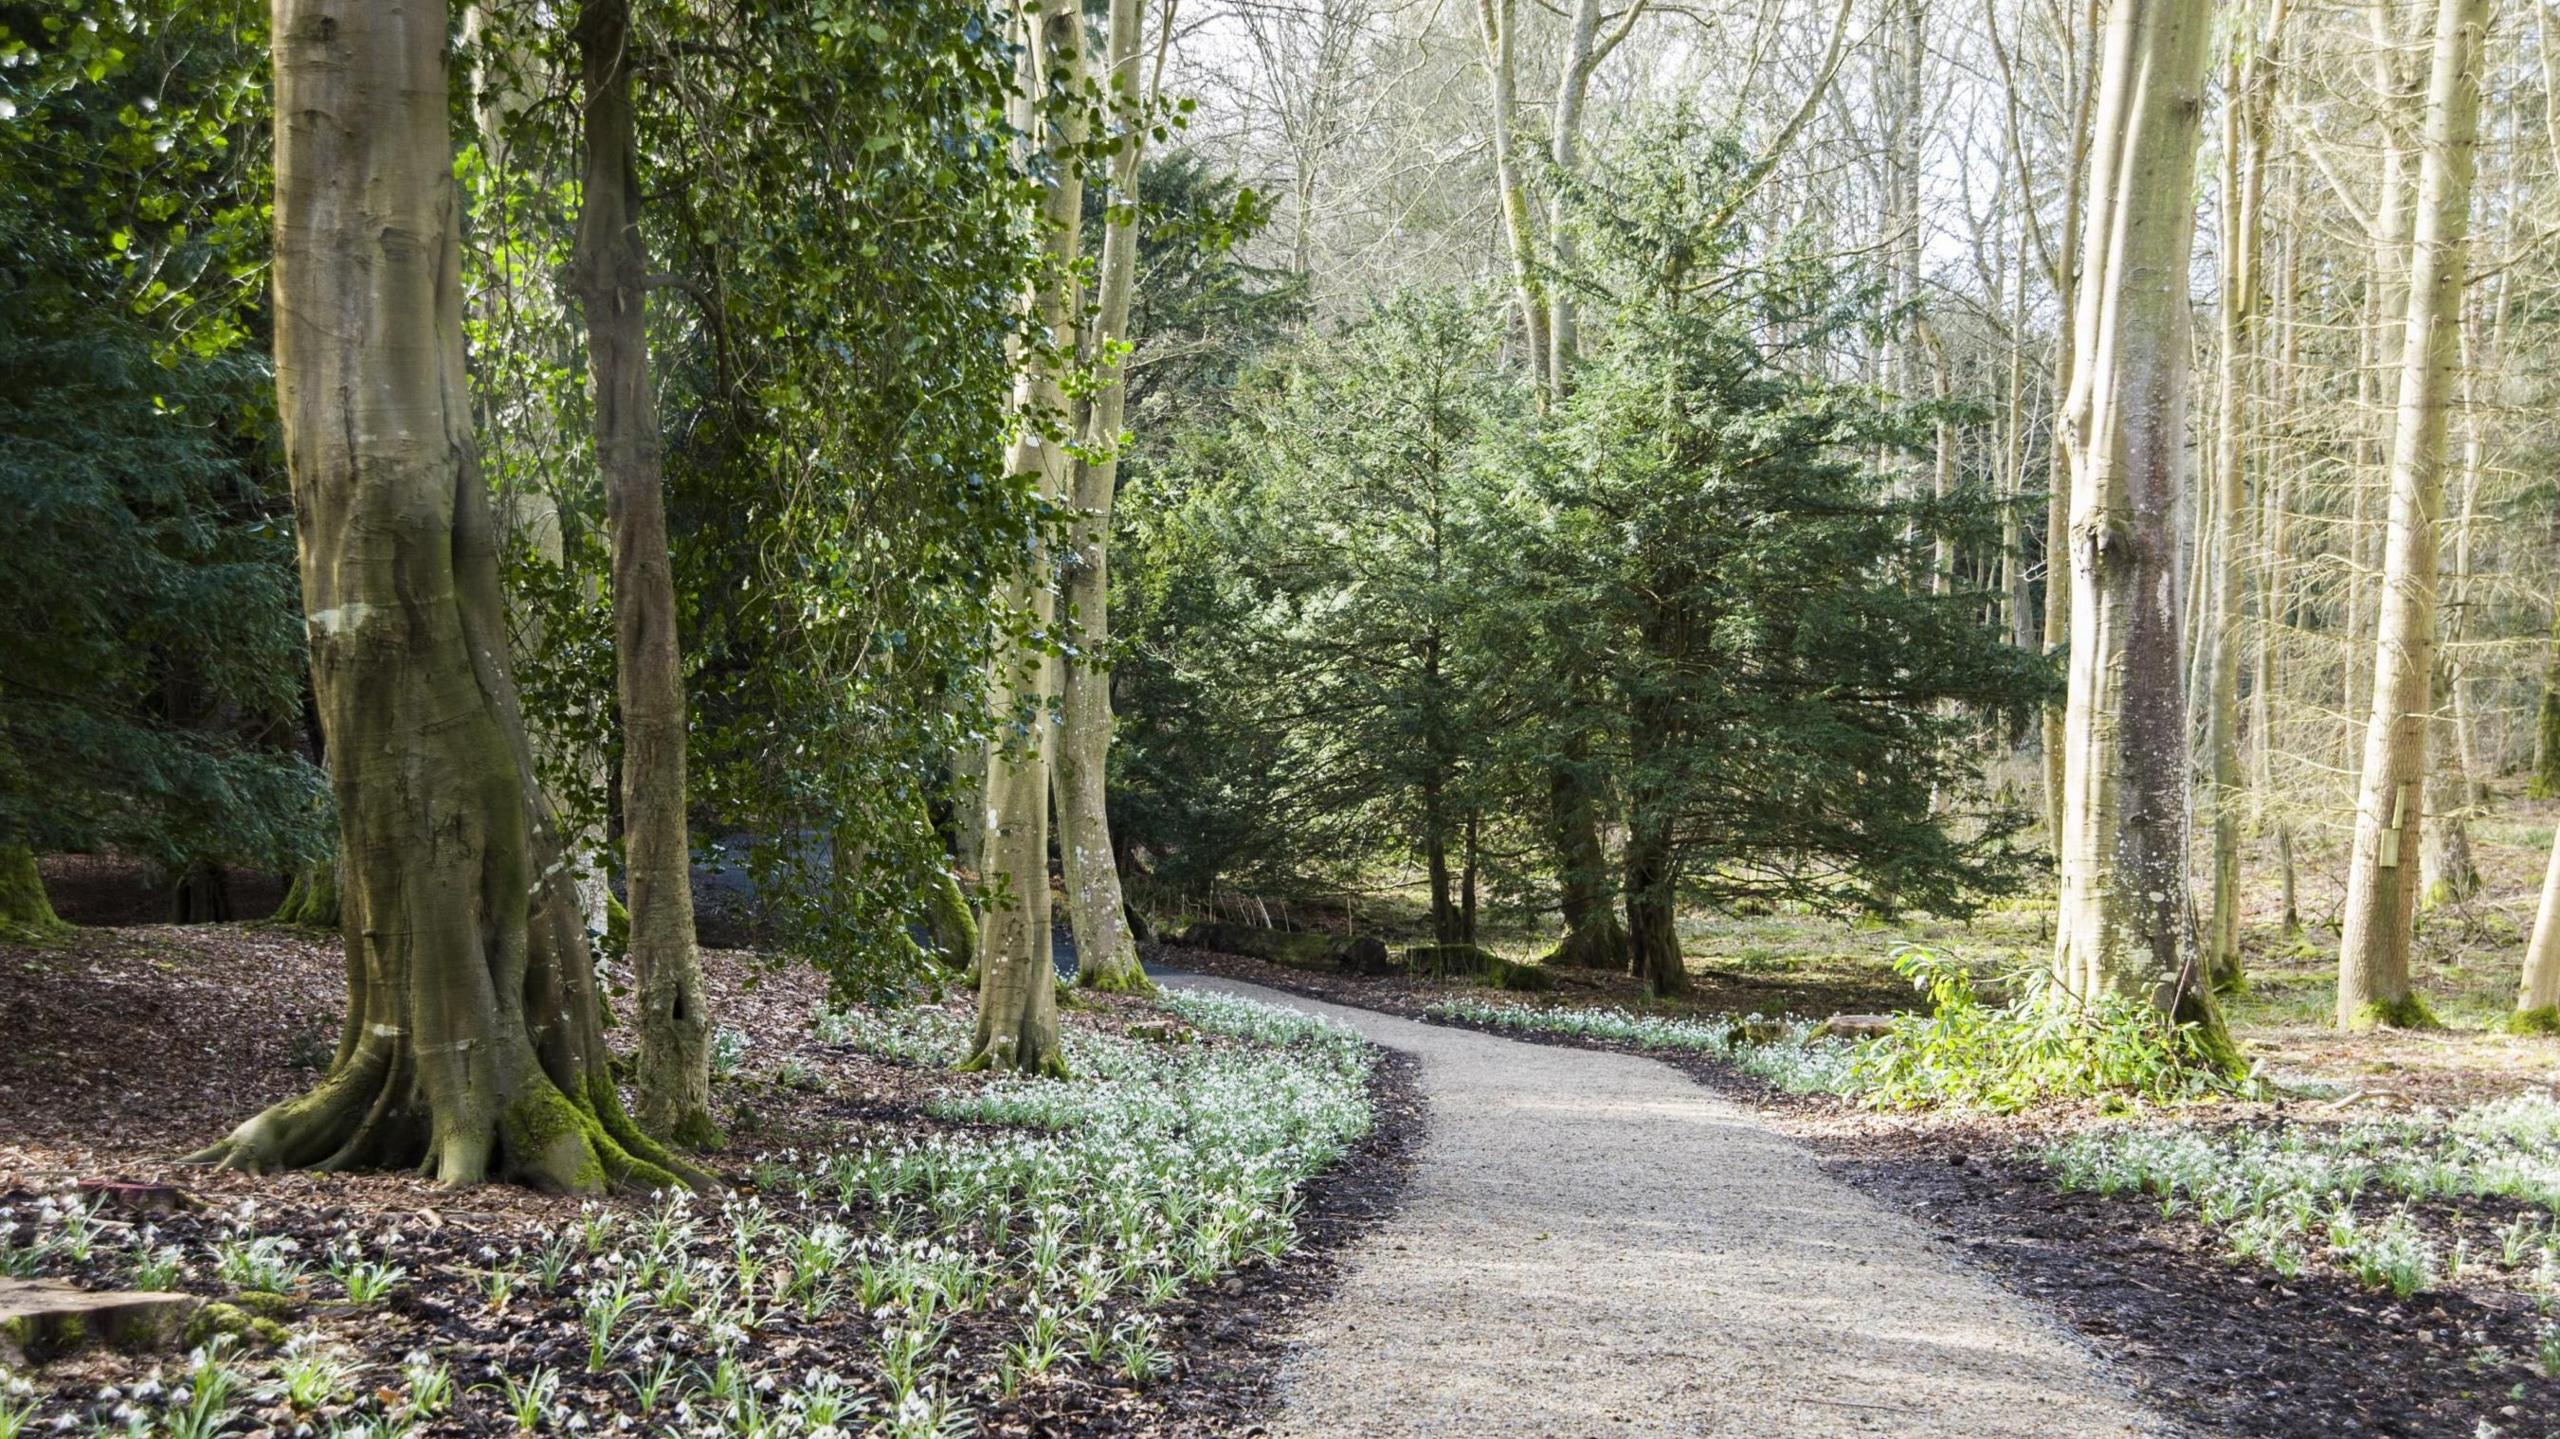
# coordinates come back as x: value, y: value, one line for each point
x: 129, y: 1047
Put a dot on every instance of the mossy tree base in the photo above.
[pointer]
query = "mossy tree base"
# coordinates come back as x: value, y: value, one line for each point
x: 949, y: 924
x: 1127, y: 978
x: 1006, y: 1059
x: 312, y: 901
x: 26, y: 915
x: 543, y: 1138
x: 1598, y: 946
x: 2410, y: 1011
x: 2544, y: 1021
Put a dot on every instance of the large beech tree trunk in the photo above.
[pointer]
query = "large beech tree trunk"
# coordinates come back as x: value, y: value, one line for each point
x: 1106, y: 955
x: 1017, y: 982
x: 2126, y: 921
x: 611, y: 276
x: 2382, y: 874
x: 474, y: 1043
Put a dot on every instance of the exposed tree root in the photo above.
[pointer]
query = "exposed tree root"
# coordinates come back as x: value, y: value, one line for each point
x: 356, y: 1119
x: 1004, y: 1057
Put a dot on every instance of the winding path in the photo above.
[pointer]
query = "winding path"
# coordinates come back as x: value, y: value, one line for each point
x: 1594, y: 1247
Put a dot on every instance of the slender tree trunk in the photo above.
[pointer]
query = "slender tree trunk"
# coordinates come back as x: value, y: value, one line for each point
x: 2373, y: 957
x: 2382, y: 347
x: 2545, y: 782
x: 1585, y: 48
x: 1106, y: 955
x: 2274, y: 619
x: 2067, y: 280
x: 2446, y: 871
x: 1593, y: 938
x: 1467, y: 886
x: 611, y: 267
x: 25, y: 913
x: 1653, y: 931
x: 1017, y: 980
x: 1498, y: 22
x: 529, y: 515
x: 2538, y: 997
x: 1435, y: 863
x: 2126, y: 920
x: 474, y: 1041
x: 2243, y: 190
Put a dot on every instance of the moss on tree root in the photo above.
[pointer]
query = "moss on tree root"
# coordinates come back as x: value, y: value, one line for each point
x: 26, y: 915
x: 543, y: 1139
x: 2544, y: 1021
x: 1000, y: 1057
x: 2410, y: 1011
x: 1127, y: 978
x: 312, y: 902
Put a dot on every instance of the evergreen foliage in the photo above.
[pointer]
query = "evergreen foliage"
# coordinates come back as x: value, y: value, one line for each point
x: 151, y: 662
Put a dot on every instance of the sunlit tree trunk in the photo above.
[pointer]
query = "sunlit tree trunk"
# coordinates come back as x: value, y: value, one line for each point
x: 1106, y: 956
x: 1585, y: 48
x: 2382, y: 883
x: 2382, y: 341
x: 2275, y: 550
x: 2446, y: 871
x: 474, y: 1045
x: 2538, y: 997
x: 2126, y: 919
x: 2243, y: 189
x: 1593, y: 938
x: 1498, y: 22
x: 1017, y: 981
x: 611, y: 270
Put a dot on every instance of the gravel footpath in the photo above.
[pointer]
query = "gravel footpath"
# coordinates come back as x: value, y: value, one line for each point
x: 1595, y: 1246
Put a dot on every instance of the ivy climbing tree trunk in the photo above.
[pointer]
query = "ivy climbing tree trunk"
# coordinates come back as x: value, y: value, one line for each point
x: 1017, y: 981
x: 2126, y: 921
x: 611, y: 276
x: 1106, y: 955
x: 2382, y: 878
x: 474, y: 1042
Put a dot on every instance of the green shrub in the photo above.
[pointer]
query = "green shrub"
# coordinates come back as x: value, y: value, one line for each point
x: 2042, y: 1044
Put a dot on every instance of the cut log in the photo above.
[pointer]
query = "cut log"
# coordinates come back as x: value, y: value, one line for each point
x: 43, y: 1318
x: 1858, y: 1026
